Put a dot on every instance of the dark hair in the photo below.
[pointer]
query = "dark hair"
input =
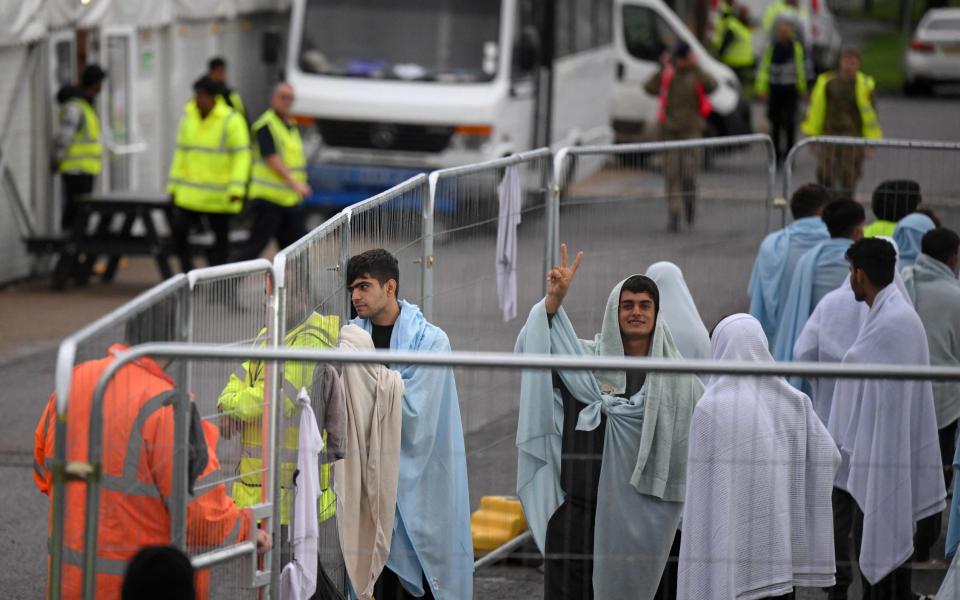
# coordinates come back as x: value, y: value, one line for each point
x: 207, y: 86
x: 378, y: 263
x: 639, y: 284
x: 876, y: 257
x: 158, y: 572
x: 92, y: 74
x: 217, y: 62
x: 895, y: 198
x: 941, y: 244
x: 808, y: 199
x: 842, y: 216
x: 681, y: 50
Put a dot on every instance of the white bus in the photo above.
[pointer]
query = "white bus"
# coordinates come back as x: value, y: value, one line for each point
x: 389, y: 88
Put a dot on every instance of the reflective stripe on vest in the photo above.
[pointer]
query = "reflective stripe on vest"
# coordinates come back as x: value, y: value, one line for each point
x: 817, y: 112
x: 794, y: 73
x: 265, y: 183
x: 128, y: 483
x: 203, y: 175
x: 317, y: 331
x: 85, y: 152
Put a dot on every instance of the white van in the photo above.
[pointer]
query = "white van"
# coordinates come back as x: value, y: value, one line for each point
x: 643, y: 30
x: 390, y: 88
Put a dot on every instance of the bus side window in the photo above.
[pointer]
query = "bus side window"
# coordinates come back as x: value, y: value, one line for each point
x: 645, y: 33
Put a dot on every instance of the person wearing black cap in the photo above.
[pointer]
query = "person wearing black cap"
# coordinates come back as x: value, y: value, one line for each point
x: 892, y: 200
x: 682, y: 88
x: 77, y: 148
x: 217, y: 71
x: 209, y: 172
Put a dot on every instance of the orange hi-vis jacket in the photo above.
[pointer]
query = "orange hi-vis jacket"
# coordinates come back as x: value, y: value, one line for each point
x: 137, y: 474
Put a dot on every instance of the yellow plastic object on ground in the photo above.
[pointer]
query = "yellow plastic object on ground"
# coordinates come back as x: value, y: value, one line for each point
x: 498, y: 520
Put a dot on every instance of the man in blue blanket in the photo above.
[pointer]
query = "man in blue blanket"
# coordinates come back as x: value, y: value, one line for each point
x: 431, y: 554
x: 602, y: 456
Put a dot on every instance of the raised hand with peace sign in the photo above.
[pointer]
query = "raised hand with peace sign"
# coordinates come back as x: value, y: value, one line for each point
x: 559, y: 278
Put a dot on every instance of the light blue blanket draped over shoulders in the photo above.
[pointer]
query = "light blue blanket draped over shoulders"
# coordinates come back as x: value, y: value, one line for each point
x: 432, y: 525
x: 819, y: 271
x: 643, y: 472
x: 774, y: 266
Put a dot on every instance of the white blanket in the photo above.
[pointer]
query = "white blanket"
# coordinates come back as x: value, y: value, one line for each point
x: 757, y: 519
x: 887, y: 434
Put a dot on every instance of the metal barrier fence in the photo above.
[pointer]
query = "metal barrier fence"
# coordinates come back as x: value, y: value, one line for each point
x: 229, y: 305
x: 491, y: 363
x: 620, y: 216
x: 856, y: 166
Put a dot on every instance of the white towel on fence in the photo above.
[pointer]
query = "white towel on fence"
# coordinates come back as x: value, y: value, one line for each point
x: 511, y: 207
x: 299, y: 577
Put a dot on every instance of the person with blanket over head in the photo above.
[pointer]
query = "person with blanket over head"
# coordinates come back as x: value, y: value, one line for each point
x: 602, y: 456
x: 757, y: 521
x: 431, y: 554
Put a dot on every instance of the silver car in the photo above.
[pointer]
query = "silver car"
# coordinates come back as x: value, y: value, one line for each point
x: 933, y: 56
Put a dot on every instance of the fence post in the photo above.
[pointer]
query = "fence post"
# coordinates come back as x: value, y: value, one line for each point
x: 771, y: 177
x: 556, y: 189
x: 428, y: 218
x: 342, y: 266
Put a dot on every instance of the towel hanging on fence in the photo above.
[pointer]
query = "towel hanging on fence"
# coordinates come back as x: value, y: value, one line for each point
x: 511, y: 207
x: 299, y: 577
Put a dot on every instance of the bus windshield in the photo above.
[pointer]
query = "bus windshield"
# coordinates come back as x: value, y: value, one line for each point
x: 416, y: 40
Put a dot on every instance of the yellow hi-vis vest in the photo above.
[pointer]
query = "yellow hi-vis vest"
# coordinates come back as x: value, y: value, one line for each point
x: 265, y: 183
x: 763, y: 73
x: 739, y: 53
x: 241, y: 401
x: 817, y: 111
x: 779, y: 7
x: 211, y: 163
x: 84, y: 155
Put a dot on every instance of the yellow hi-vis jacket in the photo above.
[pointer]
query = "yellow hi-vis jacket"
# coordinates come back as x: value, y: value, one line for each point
x: 779, y: 7
x: 235, y: 102
x: 763, y: 73
x: 85, y: 152
x: 817, y: 111
x: 739, y: 53
x: 241, y: 401
x: 211, y: 163
x: 265, y: 183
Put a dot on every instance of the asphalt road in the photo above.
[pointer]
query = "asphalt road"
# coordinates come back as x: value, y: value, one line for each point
x: 617, y: 217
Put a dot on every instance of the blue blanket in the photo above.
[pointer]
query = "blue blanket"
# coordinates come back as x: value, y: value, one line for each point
x: 432, y: 526
x: 820, y: 271
x: 773, y: 268
x: 644, y: 457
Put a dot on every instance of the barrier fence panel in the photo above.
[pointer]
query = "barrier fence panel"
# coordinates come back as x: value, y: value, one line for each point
x: 856, y: 166
x: 232, y: 305
x: 312, y: 304
x: 620, y: 217
x: 394, y: 221
x: 758, y: 454
x: 77, y: 552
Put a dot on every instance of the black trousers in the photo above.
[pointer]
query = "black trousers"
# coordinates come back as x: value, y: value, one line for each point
x: 568, y: 564
x: 847, y: 530
x: 782, y: 113
x: 388, y: 587
x: 74, y: 186
x: 272, y: 221
x: 185, y: 221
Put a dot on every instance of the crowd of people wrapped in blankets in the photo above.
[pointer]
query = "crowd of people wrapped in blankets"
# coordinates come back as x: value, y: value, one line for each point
x: 634, y: 484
